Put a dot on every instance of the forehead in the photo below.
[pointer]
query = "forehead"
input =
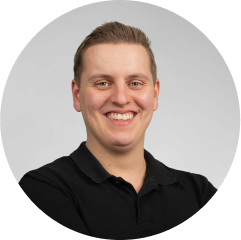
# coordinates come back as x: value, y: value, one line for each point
x: 116, y: 58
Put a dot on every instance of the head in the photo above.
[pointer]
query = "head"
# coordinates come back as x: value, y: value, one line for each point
x: 119, y: 89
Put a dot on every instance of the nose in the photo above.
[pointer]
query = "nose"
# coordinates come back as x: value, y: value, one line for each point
x: 120, y: 95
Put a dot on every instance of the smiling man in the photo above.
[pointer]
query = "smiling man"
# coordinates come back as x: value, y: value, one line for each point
x: 117, y: 96
x: 110, y: 187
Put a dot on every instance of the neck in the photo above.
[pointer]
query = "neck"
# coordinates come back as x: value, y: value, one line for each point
x: 128, y: 163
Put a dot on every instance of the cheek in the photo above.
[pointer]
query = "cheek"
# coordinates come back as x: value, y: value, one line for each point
x: 145, y: 100
x: 93, y: 101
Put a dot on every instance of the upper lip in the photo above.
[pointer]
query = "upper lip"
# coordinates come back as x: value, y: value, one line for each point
x: 120, y: 111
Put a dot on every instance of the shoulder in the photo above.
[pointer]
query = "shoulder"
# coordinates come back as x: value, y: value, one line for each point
x: 59, y: 173
x: 188, y: 178
x: 193, y: 183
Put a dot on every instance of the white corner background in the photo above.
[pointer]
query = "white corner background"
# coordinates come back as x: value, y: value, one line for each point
x: 195, y: 128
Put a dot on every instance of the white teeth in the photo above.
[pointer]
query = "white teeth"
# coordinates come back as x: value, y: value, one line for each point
x: 120, y: 117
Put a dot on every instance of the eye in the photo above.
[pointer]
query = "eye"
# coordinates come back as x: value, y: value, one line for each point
x: 135, y: 84
x: 102, y: 83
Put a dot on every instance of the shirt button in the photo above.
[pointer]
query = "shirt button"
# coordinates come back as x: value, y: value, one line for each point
x: 117, y: 182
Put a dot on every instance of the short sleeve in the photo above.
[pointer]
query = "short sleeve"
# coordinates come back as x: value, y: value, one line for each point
x: 53, y: 202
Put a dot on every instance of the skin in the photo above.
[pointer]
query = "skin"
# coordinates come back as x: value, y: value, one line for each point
x: 117, y: 77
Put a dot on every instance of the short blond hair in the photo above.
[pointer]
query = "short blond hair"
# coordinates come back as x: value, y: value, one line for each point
x: 113, y: 32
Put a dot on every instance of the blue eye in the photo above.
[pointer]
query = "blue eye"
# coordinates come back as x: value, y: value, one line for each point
x: 136, y: 82
x: 102, y: 83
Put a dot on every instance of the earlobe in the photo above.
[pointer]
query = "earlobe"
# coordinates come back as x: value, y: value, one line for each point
x: 77, y: 106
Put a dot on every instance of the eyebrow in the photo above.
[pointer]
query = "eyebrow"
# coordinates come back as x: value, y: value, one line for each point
x: 106, y: 76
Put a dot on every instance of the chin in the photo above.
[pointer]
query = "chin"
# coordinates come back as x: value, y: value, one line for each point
x: 122, y: 142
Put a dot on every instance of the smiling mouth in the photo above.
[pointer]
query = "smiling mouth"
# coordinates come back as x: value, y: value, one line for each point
x: 120, y: 117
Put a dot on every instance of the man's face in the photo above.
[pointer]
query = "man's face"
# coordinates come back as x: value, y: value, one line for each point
x: 117, y: 95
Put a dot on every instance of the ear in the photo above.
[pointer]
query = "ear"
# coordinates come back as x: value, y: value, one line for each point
x: 76, y: 94
x: 156, y: 93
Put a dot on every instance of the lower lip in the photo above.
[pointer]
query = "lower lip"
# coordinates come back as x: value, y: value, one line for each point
x: 119, y: 122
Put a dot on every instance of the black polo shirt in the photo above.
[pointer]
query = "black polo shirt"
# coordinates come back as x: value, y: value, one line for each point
x: 79, y: 193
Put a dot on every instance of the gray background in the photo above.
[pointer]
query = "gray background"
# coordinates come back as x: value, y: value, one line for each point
x: 194, y: 129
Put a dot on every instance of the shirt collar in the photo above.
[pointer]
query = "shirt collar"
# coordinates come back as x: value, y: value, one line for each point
x: 91, y: 167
